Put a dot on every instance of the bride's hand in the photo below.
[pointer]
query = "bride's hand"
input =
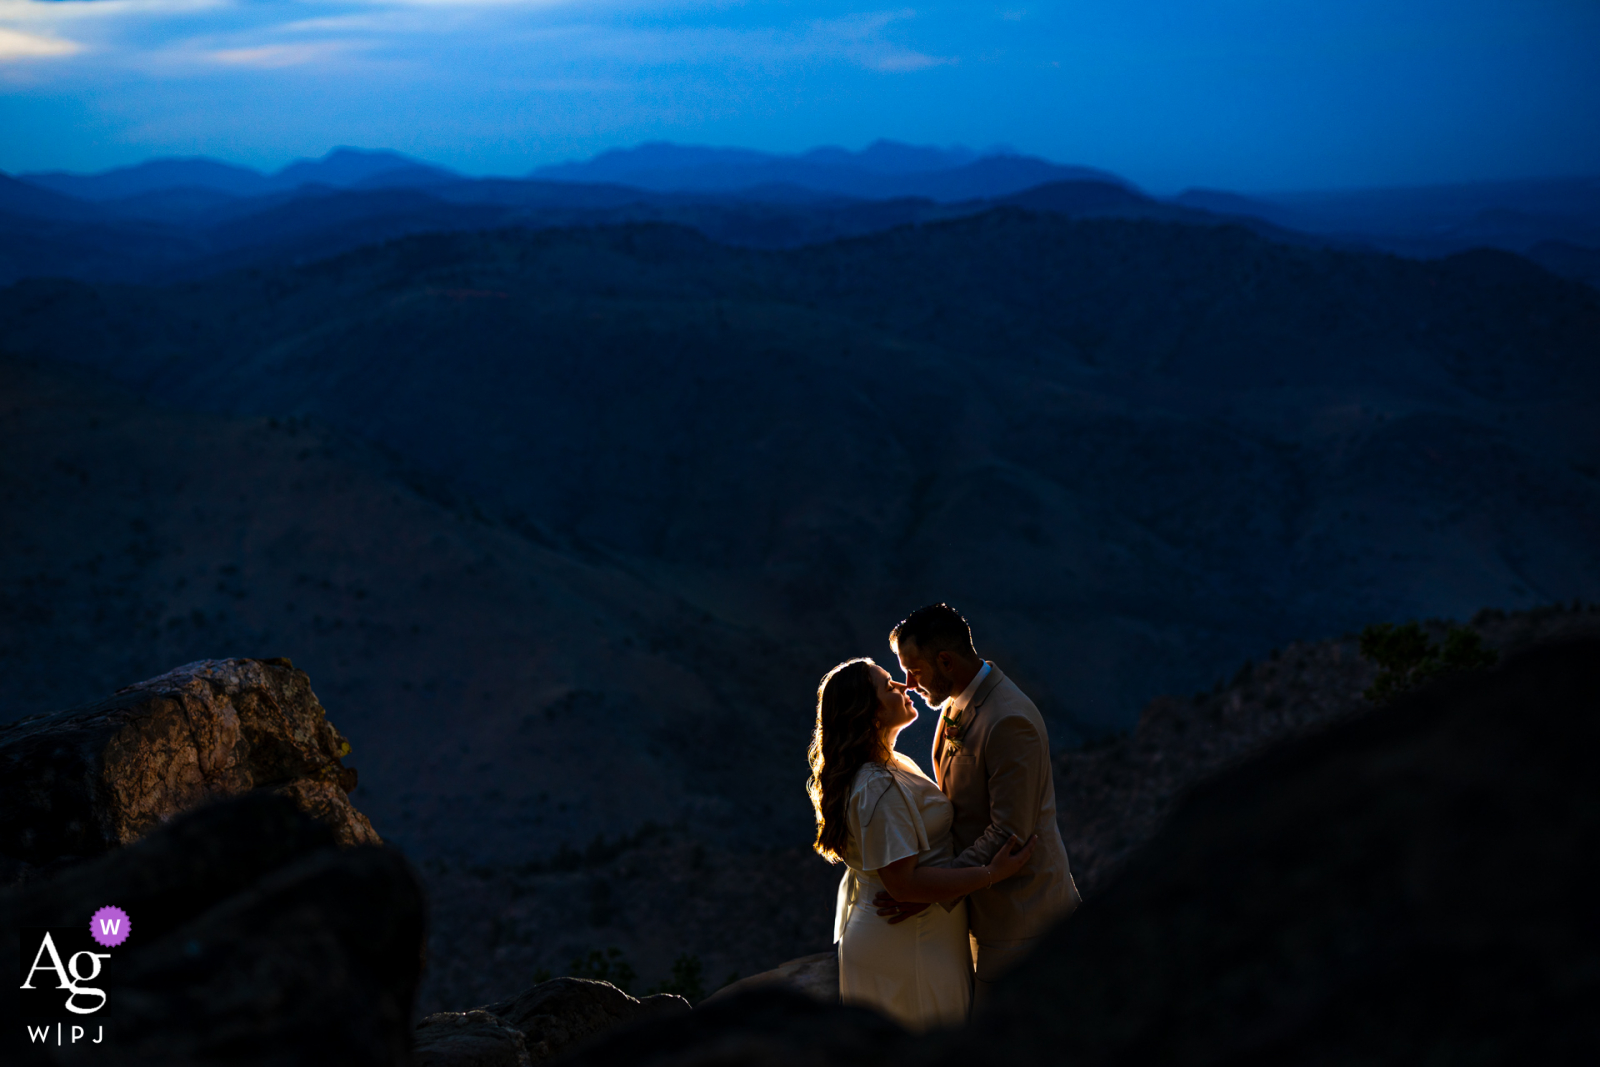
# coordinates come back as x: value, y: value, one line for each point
x: 1008, y: 862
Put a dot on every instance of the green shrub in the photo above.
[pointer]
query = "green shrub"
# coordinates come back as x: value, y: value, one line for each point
x: 607, y: 966
x: 1406, y: 657
x: 688, y: 974
x: 688, y: 979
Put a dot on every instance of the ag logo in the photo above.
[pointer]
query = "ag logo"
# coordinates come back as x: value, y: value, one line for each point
x: 47, y: 947
x: 61, y: 973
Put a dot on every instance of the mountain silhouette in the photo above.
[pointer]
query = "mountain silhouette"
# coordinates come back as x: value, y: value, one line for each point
x: 344, y: 167
x: 883, y: 170
x: 27, y: 200
x: 153, y: 175
x: 169, y: 220
x: 190, y: 232
x: 341, y: 167
x: 1536, y: 218
x: 892, y: 157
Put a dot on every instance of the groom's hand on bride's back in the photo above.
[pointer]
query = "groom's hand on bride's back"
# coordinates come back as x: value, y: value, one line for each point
x: 897, y: 911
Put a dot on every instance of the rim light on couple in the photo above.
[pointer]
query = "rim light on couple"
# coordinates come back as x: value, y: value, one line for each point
x: 949, y: 881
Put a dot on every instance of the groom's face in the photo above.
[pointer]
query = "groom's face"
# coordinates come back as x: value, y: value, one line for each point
x: 925, y: 674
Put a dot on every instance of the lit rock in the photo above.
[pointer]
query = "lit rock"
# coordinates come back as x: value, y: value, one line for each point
x: 80, y: 782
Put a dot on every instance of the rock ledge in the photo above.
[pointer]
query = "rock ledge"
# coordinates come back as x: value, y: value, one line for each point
x: 81, y: 782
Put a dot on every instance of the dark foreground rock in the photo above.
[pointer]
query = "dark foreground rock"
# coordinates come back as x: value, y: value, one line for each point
x: 473, y: 1038
x: 1414, y: 885
x: 81, y: 782
x: 255, y: 941
x: 1114, y: 796
x: 550, y: 1019
x: 772, y: 1025
x: 817, y: 976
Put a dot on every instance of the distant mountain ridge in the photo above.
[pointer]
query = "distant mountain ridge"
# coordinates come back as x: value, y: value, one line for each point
x: 185, y: 233
x: 342, y: 167
x: 177, y: 219
x: 1554, y: 221
x: 881, y: 170
x: 18, y: 197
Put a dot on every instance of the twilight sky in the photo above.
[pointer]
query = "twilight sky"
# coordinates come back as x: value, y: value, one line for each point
x: 1241, y: 94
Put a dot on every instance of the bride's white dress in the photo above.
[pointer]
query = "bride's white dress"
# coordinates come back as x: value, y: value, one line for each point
x: 918, y: 971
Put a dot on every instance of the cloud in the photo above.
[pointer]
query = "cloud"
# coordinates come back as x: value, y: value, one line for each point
x: 536, y: 4
x: 857, y: 39
x: 14, y: 44
x: 902, y: 60
x: 52, y: 12
x: 278, y: 56
x: 527, y: 40
x: 35, y: 29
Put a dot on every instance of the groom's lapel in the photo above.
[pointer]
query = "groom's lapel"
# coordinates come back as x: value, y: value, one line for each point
x: 940, y: 750
x: 974, y: 708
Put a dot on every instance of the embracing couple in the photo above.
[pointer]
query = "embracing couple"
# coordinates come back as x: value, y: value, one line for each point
x: 979, y: 842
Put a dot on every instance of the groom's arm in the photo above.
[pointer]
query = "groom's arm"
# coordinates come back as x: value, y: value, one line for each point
x: 1011, y: 756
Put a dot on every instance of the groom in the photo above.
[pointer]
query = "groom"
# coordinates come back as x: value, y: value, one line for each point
x: 991, y: 756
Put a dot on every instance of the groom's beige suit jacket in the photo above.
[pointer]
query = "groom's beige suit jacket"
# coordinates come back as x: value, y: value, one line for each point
x: 999, y: 782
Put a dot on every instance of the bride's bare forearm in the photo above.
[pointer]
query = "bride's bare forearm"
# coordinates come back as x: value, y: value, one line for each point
x: 929, y: 885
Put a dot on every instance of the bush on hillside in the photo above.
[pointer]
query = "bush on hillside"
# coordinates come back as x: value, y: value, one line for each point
x: 1406, y: 657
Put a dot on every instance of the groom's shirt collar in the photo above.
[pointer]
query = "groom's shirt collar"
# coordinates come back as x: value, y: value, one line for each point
x: 959, y: 704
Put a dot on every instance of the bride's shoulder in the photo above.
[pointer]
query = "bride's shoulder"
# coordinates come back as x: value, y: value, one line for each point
x: 870, y: 782
x: 869, y: 773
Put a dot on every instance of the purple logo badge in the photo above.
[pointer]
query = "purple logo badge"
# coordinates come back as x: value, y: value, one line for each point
x: 110, y: 926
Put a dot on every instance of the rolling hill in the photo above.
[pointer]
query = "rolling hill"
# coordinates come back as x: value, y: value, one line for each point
x: 1161, y: 445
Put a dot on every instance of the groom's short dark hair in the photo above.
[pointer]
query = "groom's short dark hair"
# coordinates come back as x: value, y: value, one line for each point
x: 934, y: 628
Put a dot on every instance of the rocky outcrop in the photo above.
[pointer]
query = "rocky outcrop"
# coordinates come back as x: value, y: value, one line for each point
x: 550, y: 1019
x: 473, y: 1038
x: 1407, y: 885
x: 80, y: 782
x: 1113, y: 797
x: 255, y: 941
x: 815, y: 976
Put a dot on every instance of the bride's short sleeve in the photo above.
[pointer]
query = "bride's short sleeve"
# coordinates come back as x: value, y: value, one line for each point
x: 887, y: 832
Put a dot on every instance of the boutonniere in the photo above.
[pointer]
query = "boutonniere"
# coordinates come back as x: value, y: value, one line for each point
x: 954, y: 727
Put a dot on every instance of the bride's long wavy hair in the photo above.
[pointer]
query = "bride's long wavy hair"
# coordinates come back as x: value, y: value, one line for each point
x: 846, y: 736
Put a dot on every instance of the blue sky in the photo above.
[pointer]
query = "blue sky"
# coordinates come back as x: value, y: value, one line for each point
x: 1242, y: 94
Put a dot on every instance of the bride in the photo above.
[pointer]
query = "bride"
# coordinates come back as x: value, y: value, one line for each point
x: 888, y: 823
